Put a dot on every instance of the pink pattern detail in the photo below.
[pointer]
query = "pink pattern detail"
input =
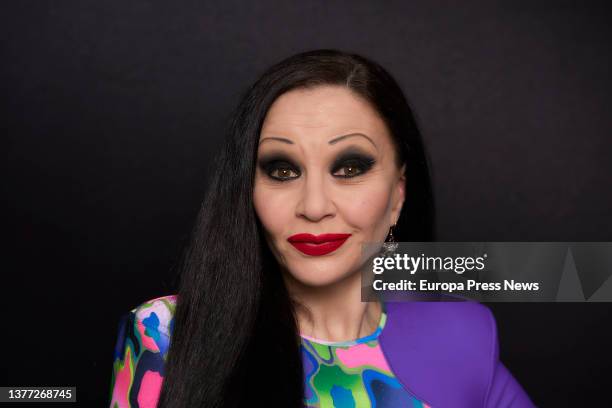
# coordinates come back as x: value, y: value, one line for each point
x: 150, y: 388
x: 123, y: 382
x: 362, y: 354
x: 147, y: 341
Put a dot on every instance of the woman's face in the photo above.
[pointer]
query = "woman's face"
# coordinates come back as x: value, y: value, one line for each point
x: 325, y: 165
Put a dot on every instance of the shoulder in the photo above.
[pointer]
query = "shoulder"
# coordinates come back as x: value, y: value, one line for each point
x: 462, y: 319
x: 453, y: 342
x: 147, y: 327
x: 156, y: 314
x: 141, y: 352
x: 460, y: 328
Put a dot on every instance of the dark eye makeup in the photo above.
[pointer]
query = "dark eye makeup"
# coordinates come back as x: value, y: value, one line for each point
x: 279, y: 167
x: 350, y: 163
x: 354, y: 164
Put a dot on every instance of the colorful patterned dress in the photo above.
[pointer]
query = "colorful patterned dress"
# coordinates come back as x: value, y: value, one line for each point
x: 336, y: 374
x: 352, y: 374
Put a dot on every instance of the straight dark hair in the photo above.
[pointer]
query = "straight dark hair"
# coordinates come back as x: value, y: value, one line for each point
x: 235, y: 340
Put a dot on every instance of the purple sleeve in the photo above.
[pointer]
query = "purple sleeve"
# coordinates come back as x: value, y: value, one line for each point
x: 505, y: 391
x: 447, y: 355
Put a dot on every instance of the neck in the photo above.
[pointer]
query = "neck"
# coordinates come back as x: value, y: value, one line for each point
x: 334, y: 312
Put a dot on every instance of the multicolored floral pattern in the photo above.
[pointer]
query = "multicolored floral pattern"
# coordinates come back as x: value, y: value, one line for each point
x: 352, y: 374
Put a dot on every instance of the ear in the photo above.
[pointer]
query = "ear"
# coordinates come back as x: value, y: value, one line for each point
x: 399, y: 195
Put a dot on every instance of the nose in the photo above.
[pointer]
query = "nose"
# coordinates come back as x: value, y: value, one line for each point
x: 315, y: 202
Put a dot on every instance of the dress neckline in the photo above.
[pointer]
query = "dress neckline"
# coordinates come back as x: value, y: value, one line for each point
x: 360, y: 340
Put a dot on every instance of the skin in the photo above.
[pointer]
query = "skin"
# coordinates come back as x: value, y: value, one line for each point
x: 315, y: 200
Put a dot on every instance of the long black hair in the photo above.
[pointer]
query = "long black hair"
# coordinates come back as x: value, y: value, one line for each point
x: 235, y: 341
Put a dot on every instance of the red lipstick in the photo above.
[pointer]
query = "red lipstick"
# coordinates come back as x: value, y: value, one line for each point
x: 317, y: 245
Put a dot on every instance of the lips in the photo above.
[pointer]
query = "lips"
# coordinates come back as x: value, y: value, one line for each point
x: 317, y: 245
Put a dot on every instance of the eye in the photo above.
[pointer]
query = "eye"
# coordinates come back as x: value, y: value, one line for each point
x: 349, y: 170
x: 353, y: 167
x: 283, y: 173
x: 278, y: 167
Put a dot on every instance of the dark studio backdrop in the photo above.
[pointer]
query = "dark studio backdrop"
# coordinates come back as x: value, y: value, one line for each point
x: 111, y: 112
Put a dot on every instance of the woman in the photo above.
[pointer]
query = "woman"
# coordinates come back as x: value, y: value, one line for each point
x: 323, y: 155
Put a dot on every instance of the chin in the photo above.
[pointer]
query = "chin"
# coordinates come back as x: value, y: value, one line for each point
x: 318, y: 276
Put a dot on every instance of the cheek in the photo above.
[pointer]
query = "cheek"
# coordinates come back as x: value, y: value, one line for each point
x: 273, y: 207
x: 367, y: 207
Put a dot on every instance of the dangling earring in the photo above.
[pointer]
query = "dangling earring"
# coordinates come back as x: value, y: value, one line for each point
x: 390, y: 245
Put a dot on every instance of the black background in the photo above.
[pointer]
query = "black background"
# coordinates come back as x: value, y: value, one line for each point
x: 111, y: 112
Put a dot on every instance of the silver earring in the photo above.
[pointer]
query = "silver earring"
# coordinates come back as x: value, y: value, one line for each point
x: 389, y: 246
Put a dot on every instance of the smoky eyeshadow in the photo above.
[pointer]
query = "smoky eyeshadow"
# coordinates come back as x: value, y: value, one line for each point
x: 354, y: 157
x: 351, y: 156
x: 271, y: 161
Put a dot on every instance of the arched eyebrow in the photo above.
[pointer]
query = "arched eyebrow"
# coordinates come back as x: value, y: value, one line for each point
x: 339, y: 138
x: 331, y: 142
x: 280, y: 139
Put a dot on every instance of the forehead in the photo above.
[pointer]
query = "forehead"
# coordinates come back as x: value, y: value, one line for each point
x: 328, y: 109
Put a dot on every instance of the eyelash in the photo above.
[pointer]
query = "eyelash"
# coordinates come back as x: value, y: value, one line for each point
x: 363, y: 165
x: 270, y: 167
